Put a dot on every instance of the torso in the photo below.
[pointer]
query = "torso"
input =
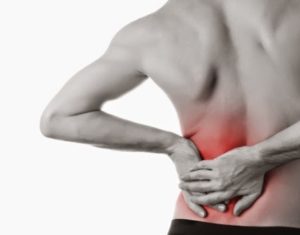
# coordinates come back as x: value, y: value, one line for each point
x: 232, y: 71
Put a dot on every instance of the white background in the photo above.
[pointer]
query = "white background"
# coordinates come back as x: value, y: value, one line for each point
x: 57, y: 187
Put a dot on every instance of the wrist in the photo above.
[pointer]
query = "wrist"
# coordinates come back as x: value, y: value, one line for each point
x: 184, y: 155
x: 261, y: 158
x: 183, y: 149
x: 174, y: 141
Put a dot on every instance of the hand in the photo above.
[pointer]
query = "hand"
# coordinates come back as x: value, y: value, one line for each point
x: 185, y: 155
x: 238, y: 172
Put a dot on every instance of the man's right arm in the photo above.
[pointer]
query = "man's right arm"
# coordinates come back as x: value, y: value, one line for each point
x: 75, y: 113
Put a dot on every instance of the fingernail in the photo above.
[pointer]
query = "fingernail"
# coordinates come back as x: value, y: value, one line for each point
x: 222, y: 208
x: 202, y: 214
x: 237, y: 213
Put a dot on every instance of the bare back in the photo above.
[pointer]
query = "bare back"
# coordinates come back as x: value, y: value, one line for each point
x: 232, y: 70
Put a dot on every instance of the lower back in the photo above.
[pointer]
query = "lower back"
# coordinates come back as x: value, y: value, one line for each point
x: 277, y: 206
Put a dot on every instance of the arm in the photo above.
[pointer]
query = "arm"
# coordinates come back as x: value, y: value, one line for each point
x: 75, y: 112
x: 240, y: 172
x: 281, y: 148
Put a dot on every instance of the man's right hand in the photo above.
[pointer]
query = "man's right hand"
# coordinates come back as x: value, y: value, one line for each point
x: 185, y: 155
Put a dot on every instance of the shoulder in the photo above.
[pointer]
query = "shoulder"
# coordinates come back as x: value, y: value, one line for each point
x: 140, y: 33
x: 136, y: 41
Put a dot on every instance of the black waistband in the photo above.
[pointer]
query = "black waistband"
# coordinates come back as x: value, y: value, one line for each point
x: 193, y: 227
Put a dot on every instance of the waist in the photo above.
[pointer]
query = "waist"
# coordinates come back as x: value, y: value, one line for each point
x: 184, y: 226
x: 279, y: 205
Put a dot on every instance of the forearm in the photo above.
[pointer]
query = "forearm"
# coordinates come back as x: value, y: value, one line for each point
x: 281, y: 148
x: 104, y: 130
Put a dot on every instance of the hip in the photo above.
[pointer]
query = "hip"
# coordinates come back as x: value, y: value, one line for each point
x: 279, y: 205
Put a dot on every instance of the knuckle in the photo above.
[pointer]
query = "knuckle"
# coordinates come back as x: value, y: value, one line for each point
x: 203, y: 201
x: 206, y: 201
x: 214, y: 200
x: 217, y: 174
x: 210, y: 201
x: 218, y: 198
x: 198, y: 176
x: 222, y: 185
x: 218, y: 185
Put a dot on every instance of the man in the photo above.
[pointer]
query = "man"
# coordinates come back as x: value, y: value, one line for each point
x: 232, y: 70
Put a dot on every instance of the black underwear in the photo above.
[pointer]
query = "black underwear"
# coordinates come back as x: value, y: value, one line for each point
x: 192, y: 227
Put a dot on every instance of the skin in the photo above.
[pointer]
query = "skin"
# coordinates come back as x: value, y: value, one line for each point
x: 235, y: 85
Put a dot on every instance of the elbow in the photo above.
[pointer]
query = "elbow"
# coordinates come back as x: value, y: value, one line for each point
x: 58, y: 126
x: 48, y: 124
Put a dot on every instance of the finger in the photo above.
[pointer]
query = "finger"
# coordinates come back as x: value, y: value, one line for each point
x: 199, y: 210
x: 211, y: 198
x: 222, y: 207
x: 204, y: 164
x: 219, y: 207
x: 198, y: 175
x: 244, y: 203
x: 199, y: 186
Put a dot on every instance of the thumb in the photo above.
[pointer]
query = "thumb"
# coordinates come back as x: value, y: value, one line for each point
x: 198, y: 209
x: 244, y: 203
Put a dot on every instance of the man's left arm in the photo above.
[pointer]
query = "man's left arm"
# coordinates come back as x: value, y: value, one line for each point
x: 240, y: 171
x: 281, y: 148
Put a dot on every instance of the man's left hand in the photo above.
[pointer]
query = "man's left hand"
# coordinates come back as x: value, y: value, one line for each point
x: 238, y: 172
